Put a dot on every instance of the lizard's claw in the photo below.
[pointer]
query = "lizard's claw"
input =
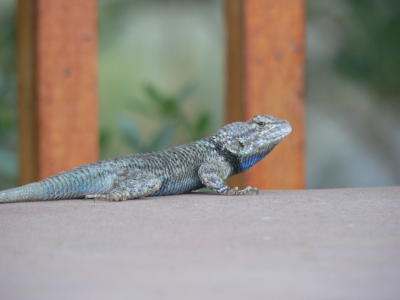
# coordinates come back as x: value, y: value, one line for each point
x: 246, y: 191
x: 113, y: 196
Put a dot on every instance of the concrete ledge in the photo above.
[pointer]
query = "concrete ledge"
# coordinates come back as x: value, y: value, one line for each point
x: 315, y: 244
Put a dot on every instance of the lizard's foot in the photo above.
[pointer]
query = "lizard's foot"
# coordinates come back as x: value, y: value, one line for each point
x: 113, y: 196
x: 246, y: 191
x: 96, y: 196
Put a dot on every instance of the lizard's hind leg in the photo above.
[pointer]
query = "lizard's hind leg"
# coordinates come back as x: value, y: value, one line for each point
x: 130, y: 189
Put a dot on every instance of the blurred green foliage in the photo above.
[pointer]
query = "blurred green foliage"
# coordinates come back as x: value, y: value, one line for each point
x: 169, y: 110
x: 370, y: 47
x: 164, y: 44
x: 8, y: 131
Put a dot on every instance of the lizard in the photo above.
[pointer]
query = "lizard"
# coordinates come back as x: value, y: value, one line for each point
x: 204, y: 163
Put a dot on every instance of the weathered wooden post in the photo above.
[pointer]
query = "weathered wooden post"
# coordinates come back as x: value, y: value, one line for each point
x: 57, y: 73
x: 265, y: 75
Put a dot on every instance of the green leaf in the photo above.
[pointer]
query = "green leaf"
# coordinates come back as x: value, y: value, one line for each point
x: 153, y: 94
x: 170, y: 107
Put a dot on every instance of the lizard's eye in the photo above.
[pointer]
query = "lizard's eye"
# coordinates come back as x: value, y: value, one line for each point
x: 241, y: 144
x: 261, y: 123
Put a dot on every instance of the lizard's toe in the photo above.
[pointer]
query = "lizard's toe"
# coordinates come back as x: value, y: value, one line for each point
x: 249, y: 191
x: 119, y: 196
x: 233, y: 191
x: 246, y: 191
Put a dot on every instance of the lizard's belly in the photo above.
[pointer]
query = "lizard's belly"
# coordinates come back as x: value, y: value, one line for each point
x: 179, y: 186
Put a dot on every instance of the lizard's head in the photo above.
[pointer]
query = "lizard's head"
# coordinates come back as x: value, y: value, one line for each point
x: 250, y: 141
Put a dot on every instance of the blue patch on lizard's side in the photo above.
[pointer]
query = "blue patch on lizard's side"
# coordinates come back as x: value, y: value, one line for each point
x: 251, y: 161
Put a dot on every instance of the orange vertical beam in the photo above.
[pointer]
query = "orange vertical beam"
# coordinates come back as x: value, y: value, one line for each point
x: 271, y: 68
x: 57, y: 66
x: 27, y: 113
x: 234, y: 69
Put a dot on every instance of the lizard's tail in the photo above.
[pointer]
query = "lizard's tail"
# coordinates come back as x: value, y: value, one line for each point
x: 29, y: 192
x: 72, y: 184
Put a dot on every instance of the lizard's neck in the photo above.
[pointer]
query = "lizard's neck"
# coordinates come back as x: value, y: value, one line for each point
x: 238, y: 163
x: 249, y: 161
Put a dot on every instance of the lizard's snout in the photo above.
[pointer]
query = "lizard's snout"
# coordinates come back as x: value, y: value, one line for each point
x: 280, y: 129
x: 286, y: 127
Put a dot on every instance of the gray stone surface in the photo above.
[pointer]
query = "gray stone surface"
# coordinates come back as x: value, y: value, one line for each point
x: 315, y: 244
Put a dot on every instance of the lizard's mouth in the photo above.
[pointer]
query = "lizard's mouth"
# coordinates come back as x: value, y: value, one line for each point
x: 279, y: 130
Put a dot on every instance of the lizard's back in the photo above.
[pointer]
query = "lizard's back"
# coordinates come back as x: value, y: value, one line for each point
x: 176, y: 167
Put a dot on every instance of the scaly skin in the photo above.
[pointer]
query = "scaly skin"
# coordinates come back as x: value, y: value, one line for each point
x: 205, y: 163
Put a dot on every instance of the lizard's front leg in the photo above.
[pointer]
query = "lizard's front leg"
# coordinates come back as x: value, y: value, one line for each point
x: 213, y: 174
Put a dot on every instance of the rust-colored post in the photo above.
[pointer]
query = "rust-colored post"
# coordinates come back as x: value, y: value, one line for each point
x: 265, y: 65
x: 57, y: 70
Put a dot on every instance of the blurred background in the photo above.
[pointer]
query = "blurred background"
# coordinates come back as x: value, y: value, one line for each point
x: 162, y: 83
